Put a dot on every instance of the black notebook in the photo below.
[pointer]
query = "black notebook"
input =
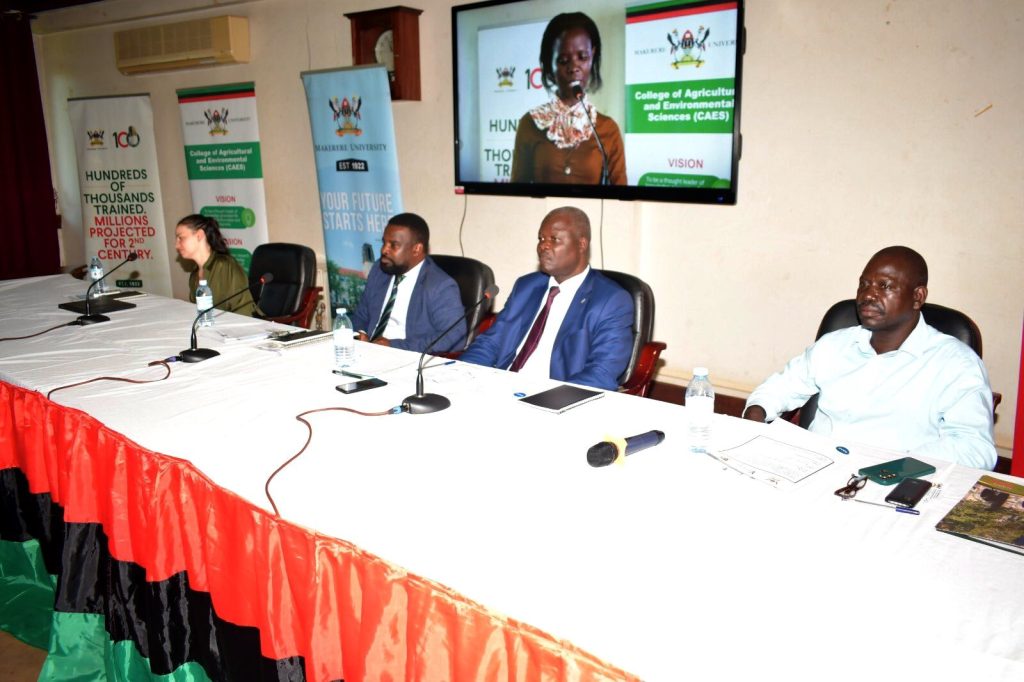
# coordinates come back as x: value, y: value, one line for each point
x: 97, y: 306
x: 298, y: 338
x: 561, y: 398
x: 104, y: 303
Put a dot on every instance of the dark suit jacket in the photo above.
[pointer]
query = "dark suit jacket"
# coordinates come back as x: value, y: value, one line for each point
x: 435, y: 305
x: 593, y: 344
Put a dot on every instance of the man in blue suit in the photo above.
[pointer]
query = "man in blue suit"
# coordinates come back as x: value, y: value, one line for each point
x: 566, y: 322
x: 409, y: 301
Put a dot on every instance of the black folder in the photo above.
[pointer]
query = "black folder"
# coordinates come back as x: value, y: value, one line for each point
x: 561, y: 398
x: 101, y: 305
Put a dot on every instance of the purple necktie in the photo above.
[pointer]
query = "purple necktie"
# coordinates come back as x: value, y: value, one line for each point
x: 533, y: 338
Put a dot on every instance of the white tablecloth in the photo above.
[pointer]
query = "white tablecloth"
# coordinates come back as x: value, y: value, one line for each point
x: 671, y: 566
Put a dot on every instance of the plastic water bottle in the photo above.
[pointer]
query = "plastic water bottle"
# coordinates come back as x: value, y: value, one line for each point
x: 96, y: 274
x: 700, y: 406
x: 344, y: 341
x: 204, y: 300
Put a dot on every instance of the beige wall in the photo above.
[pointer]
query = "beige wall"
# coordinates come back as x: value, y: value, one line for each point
x: 864, y: 123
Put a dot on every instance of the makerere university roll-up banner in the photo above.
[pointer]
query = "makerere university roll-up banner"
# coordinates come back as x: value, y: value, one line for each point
x: 509, y: 83
x: 120, y: 185
x: 224, y: 164
x: 356, y: 169
x: 680, y: 78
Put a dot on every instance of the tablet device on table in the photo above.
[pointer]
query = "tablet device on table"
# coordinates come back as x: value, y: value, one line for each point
x: 561, y: 398
x: 100, y: 305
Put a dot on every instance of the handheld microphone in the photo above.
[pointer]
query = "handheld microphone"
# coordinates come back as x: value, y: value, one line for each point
x: 196, y: 354
x: 423, y: 403
x: 604, y: 453
x: 93, y: 318
x: 577, y: 91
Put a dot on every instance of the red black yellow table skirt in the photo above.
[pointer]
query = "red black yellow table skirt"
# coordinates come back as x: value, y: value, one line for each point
x: 158, y: 571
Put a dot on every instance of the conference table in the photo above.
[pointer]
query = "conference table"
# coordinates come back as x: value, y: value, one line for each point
x: 475, y: 543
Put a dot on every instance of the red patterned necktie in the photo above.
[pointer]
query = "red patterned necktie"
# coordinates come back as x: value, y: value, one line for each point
x: 533, y: 338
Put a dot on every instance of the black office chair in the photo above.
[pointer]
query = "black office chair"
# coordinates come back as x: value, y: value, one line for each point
x: 291, y: 298
x: 473, y: 277
x: 946, y: 320
x: 636, y: 380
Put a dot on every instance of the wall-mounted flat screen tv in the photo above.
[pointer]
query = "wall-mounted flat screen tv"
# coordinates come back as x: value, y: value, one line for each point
x: 607, y: 98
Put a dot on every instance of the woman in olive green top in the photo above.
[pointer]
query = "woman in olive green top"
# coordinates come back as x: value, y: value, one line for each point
x: 197, y: 238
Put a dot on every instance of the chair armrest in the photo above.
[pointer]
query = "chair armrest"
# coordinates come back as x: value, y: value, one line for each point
x: 639, y: 382
x: 485, y: 323
x: 304, y: 315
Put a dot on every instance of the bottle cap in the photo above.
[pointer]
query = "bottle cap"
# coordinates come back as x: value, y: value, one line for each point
x: 340, y: 311
x: 700, y: 371
x: 202, y: 282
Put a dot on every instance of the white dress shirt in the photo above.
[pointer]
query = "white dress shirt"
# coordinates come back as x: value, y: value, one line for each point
x: 400, y: 312
x: 539, y: 363
x: 930, y: 397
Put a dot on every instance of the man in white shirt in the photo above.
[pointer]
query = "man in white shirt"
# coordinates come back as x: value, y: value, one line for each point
x: 894, y: 381
x: 567, y: 322
x: 409, y: 301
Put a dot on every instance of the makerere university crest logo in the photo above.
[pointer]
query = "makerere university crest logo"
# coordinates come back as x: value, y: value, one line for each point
x: 217, y: 120
x: 689, y: 50
x: 346, y: 115
x: 505, y: 75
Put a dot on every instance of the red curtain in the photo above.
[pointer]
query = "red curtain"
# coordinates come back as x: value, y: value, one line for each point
x: 28, y: 220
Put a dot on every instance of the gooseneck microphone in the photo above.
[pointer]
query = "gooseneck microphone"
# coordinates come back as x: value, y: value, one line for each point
x: 93, y: 318
x: 423, y: 403
x: 604, y: 453
x: 577, y: 91
x: 196, y: 354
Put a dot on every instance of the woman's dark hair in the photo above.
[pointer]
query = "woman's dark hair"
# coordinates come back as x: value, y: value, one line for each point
x: 208, y: 225
x: 555, y: 28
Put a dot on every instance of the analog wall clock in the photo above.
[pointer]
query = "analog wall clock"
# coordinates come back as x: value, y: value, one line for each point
x: 390, y: 36
x: 384, y: 51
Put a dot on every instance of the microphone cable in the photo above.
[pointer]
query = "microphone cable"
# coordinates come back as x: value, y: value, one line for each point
x: 462, y: 223
x: 309, y: 427
x: 19, y: 338
x: 128, y: 381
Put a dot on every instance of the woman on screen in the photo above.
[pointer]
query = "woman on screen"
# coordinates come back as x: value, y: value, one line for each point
x: 197, y: 238
x: 555, y: 142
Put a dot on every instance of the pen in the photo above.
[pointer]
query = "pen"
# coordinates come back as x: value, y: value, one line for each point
x: 346, y: 373
x: 904, y: 510
x: 439, y: 364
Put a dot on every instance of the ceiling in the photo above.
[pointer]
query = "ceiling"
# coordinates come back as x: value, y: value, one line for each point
x: 38, y: 6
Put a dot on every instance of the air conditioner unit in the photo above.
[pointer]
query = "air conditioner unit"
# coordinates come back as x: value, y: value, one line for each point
x: 202, y: 42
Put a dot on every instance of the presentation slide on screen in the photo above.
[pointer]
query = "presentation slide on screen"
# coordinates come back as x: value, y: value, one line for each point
x: 669, y: 82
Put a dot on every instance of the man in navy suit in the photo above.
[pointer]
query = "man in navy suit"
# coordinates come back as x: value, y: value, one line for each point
x: 566, y: 322
x: 409, y: 301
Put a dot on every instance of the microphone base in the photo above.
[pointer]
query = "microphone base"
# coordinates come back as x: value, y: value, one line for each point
x: 197, y: 354
x: 90, y: 319
x: 426, y: 403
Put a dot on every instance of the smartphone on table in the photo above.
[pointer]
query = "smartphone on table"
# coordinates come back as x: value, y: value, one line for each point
x: 361, y: 385
x: 908, y: 492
